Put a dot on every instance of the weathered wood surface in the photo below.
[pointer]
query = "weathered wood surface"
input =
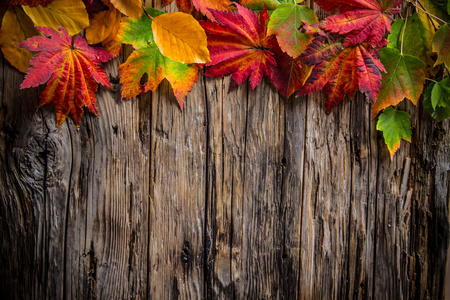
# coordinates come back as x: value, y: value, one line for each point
x: 241, y: 195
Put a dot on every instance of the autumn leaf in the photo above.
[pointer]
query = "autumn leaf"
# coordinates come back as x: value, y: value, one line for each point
x: 239, y: 45
x: 395, y: 126
x: 103, y: 24
x: 180, y: 37
x: 71, y: 69
x: 360, y: 20
x: 202, y: 5
x: 147, y: 59
x: 340, y: 71
x: 289, y: 74
x: 131, y: 8
x: 258, y: 5
x: 70, y: 14
x: 441, y: 45
x: 404, y: 77
x: 440, y: 95
x: 16, y: 27
x: 27, y: 2
x: 284, y: 24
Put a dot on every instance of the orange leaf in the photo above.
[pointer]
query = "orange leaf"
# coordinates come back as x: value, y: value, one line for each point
x: 102, y: 25
x: 181, y: 38
x: 131, y: 8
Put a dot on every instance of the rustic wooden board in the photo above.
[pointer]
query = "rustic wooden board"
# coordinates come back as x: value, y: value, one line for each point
x: 241, y: 195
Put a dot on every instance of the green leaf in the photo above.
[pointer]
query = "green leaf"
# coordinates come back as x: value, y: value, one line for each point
x: 404, y: 77
x: 440, y: 95
x: 285, y: 22
x: 441, y: 45
x: 437, y: 8
x: 439, y: 113
x: 395, y: 126
x: 418, y: 33
x: 394, y: 36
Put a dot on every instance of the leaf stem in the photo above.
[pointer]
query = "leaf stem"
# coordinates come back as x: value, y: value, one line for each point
x: 146, y: 12
x: 422, y: 8
x: 403, y: 31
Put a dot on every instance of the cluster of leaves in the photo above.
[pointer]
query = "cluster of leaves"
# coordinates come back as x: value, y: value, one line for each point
x: 281, y: 40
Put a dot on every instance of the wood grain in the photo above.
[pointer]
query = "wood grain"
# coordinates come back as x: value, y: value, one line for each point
x: 241, y: 195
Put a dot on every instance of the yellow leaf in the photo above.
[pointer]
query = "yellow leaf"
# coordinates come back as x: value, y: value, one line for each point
x: 181, y: 38
x: 16, y: 27
x: 70, y: 14
x: 102, y: 25
x: 131, y: 8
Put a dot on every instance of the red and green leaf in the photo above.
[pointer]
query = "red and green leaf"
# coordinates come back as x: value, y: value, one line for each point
x: 71, y: 69
x: 203, y: 6
x: 239, y: 45
x: 360, y: 20
x: 340, y: 71
x: 441, y: 45
x: 404, y: 77
x: 285, y: 22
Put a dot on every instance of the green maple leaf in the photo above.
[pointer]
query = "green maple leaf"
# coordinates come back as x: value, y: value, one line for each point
x: 404, y: 78
x: 395, y: 126
x: 284, y: 23
x: 147, y: 59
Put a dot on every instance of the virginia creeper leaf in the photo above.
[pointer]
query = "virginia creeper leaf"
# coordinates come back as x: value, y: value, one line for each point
x: 360, y: 20
x: 436, y: 8
x: 289, y: 74
x: 131, y: 8
x: 441, y: 45
x: 395, y: 126
x: 16, y: 26
x: 440, y: 95
x: 284, y: 24
x: 70, y: 14
x: 404, y: 77
x: 181, y: 38
x: 147, y: 59
x: 340, y: 71
x: 438, y: 113
x: 239, y: 45
x: 71, y: 69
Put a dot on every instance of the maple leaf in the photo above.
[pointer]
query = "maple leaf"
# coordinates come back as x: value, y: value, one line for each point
x: 16, y: 26
x: 239, y: 45
x: 147, y: 59
x: 284, y: 24
x: 340, y: 71
x: 289, y: 74
x: 70, y: 14
x: 404, y: 77
x: 202, y: 5
x: 415, y: 34
x: 27, y: 2
x: 395, y: 126
x: 360, y: 20
x: 71, y: 69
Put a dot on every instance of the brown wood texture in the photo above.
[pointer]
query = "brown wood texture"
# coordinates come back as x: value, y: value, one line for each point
x: 240, y: 196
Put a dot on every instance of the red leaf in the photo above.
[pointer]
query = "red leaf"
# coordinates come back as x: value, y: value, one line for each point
x: 341, y: 71
x: 239, y: 45
x: 71, y: 69
x: 94, y: 6
x: 360, y: 20
x: 204, y: 6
